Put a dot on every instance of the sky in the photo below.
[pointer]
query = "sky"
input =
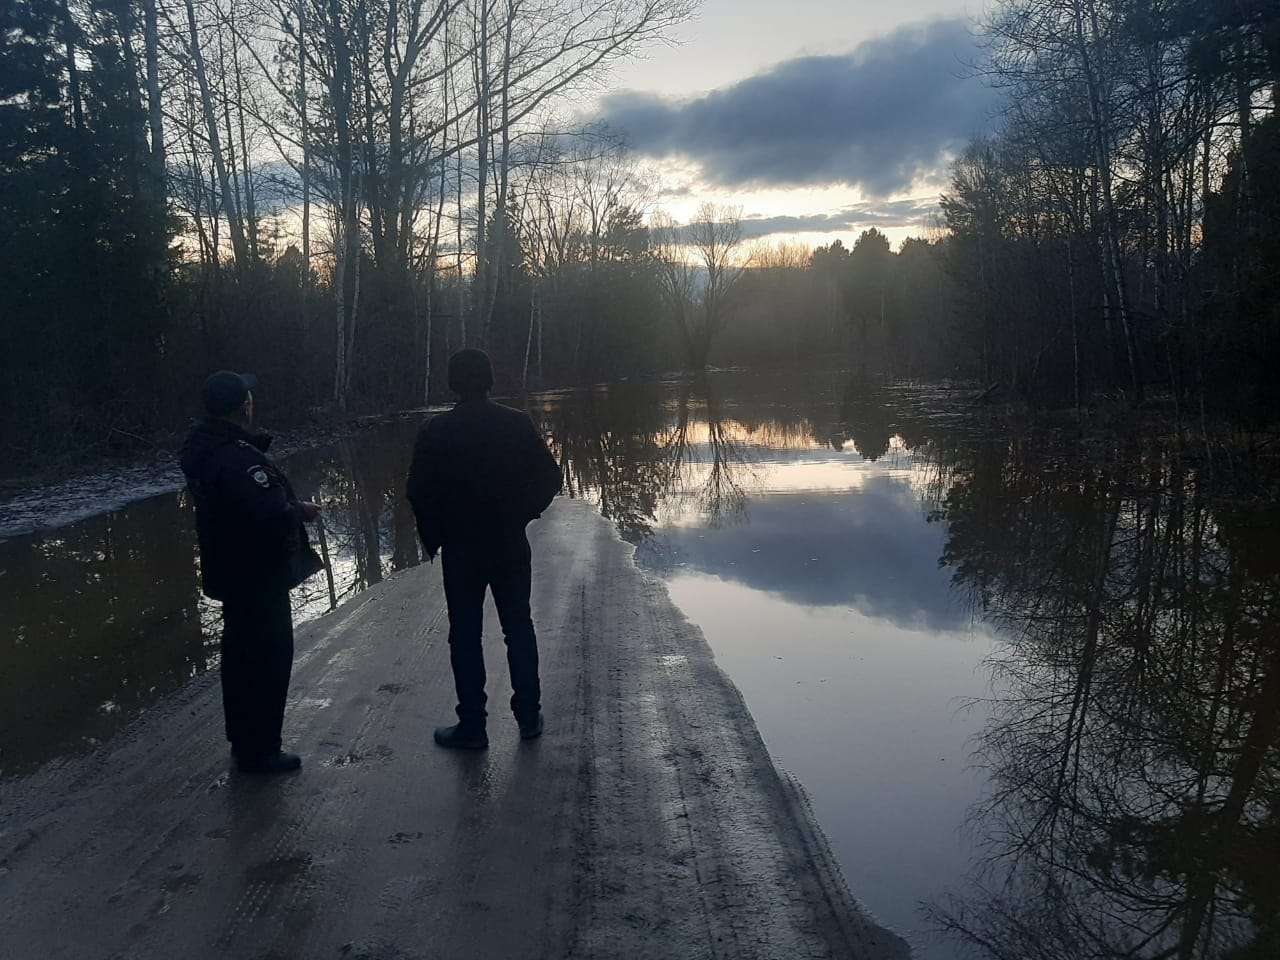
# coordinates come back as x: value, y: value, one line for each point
x: 818, y: 118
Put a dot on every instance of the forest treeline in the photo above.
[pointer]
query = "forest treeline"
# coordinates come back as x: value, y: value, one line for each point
x: 338, y: 193
x: 1121, y: 229
x: 324, y: 191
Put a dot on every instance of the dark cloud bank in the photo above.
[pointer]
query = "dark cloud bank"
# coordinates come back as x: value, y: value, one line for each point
x: 877, y: 117
x: 897, y: 213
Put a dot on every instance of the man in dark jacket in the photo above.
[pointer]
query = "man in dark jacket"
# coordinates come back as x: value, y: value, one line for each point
x: 253, y: 550
x: 480, y: 473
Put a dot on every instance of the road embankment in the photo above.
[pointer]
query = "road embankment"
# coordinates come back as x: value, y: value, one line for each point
x: 648, y: 823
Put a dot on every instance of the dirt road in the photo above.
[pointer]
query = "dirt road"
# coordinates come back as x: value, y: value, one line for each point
x: 648, y: 822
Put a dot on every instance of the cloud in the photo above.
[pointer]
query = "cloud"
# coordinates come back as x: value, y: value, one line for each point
x: 889, y: 112
x: 899, y: 213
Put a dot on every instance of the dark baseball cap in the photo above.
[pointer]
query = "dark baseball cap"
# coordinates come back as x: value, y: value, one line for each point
x: 225, y: 392
x: 470, y: 370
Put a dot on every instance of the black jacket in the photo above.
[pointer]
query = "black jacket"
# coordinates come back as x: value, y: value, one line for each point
x: 248, y: 522
x: 480, y: 472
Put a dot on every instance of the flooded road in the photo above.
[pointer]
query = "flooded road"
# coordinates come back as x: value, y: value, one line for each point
x: 1030, y: 678
x: 812, y: 568
x: 1031, y: 683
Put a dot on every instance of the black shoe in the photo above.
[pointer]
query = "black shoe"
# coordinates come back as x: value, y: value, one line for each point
x: 278, y: 762
x: 460, y: 737
x: 531, y: 728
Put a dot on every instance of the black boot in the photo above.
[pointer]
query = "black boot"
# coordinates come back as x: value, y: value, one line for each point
x: 462, y: 737
x: 278, y: 762
x: 531, y: 727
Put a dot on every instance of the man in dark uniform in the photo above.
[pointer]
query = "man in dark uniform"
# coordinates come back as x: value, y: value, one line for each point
x: 253, y: 550
x: 480, y: 473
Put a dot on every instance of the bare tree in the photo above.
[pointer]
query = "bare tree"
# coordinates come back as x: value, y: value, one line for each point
x: 677, y: 280
x: 700, y: 266
x: 228, y: 196
x: 550, y: 49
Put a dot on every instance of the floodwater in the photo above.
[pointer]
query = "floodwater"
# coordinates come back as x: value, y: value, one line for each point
x: 101, y: 618
x: 1031, y: 683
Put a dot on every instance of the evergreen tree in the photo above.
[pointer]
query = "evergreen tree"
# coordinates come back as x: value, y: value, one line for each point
x: 86, y: 243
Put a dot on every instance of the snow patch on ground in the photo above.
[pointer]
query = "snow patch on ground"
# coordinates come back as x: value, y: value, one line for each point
x: 71, y: 500
x: 76, y: 498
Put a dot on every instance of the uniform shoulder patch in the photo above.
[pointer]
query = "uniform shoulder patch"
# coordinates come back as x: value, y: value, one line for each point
x: 259, y: 475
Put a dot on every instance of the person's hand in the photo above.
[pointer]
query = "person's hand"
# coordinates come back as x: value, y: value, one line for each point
x: 310, y: 511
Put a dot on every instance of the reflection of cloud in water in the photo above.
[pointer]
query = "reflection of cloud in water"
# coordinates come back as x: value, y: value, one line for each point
x: 870, y: 550
x: 763, y: 470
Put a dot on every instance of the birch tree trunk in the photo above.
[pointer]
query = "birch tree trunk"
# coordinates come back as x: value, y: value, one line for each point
x: 504, y: 169
x: 1101, y: 136
x: 347, y: 245
x: 484, y: 134
x: 230, y: 206
x: 304, y: 115
x: 155, y: 110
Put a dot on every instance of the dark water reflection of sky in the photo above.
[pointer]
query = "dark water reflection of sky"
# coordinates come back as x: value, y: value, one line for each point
x: 863, y: 567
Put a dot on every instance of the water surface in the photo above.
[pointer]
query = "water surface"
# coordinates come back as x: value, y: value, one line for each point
x: 1030, y: 680
x: 866, y: 565
x: 791, y: 522
x: 101, y: 618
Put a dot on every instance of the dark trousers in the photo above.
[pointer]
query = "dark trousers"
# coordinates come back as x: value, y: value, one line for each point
x: 503, y: 567
x: 257, y: 660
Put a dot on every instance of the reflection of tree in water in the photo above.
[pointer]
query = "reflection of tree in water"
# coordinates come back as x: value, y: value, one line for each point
x: 862, y: 416
x: 707, y: 457
x: 642, y: 448
x: 637, y: 453
x: 869, y: 425
x: 608, y: 444
x: 97, y: 620
x: 1132, y: 748
x: 368, y: 529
